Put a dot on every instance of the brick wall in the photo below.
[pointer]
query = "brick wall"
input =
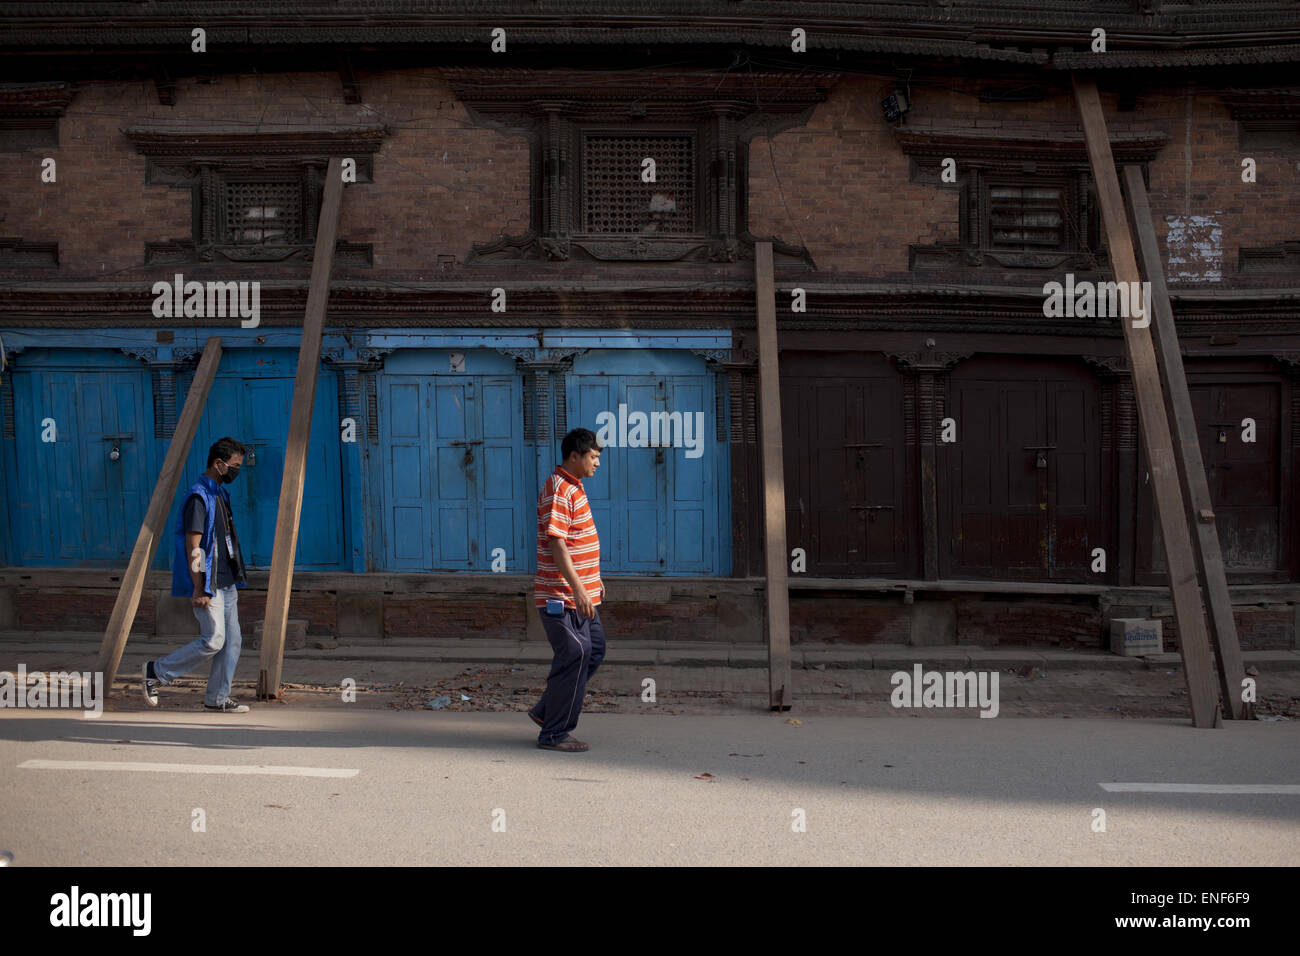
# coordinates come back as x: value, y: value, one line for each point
x: 444, y: 616
x: 315, y: 607
x: 852, y: 620
x: 841, y: 185
x: 1022, y: 622
x: 440, y: 184
x: 1258, y: 629
x: 69, y: 609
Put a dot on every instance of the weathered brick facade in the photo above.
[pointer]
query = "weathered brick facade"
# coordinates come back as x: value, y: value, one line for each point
x: 483, y: 181
x: 841, y: 184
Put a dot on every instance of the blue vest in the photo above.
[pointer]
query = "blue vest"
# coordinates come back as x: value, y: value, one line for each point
x: 182, y: 582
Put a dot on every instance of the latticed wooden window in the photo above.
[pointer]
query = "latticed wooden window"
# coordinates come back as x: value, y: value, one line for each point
x: 263, y: 212
x: 1026, y: 217
x: 615, y: 200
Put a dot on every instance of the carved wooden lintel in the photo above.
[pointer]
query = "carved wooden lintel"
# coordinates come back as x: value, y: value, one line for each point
x: 1108, y: 365
x: 927, y: 359
x: 169, y: 145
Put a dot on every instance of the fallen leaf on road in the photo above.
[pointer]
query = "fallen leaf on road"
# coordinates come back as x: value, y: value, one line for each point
x: 704, y: 776
x: 794, y: 720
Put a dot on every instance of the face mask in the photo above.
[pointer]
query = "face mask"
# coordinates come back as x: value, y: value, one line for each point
x: 232, y: 472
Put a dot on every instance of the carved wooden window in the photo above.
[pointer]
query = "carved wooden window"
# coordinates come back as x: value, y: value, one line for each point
x: 591, y: 131
x: 262, y: 211
x: 1026, y: 216
x: 616, y: 199
x: 1025, y: 201
x: 271, y: 210
x: 256, y: 195
x: 1033, y: 219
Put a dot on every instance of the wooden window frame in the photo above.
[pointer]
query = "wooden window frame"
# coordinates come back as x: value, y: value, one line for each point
x: 206, y: 160
x: 994, y: 157
x: 699, y: 184
x: 555, y: 108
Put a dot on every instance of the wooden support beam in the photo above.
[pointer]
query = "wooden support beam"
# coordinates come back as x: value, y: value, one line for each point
x: 780, y: 686
x: 295, y: 451
x: 155, y: 516
x: 1191, y: 467
x: 1193, y: 642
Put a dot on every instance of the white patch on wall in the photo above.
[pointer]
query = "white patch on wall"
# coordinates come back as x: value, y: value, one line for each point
x: 1194, y: 248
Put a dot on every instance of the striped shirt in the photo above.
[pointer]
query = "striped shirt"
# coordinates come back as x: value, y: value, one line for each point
x: 563, y: 512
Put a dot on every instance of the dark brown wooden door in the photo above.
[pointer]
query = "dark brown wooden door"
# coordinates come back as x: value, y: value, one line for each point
x: 1245, y: 480
x: 1022, y: 492
x: 845, y: 465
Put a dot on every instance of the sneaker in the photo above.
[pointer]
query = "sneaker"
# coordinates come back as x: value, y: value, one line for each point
x: 149, y: 685
x: 227, y: 706
x: 568, y: 745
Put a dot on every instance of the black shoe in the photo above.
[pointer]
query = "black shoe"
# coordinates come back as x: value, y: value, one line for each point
x: 149, y: 685
x: 228, y: 706
x: 568, y: 745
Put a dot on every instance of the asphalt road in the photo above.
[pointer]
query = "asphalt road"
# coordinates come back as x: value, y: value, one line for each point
x: 428, y: 787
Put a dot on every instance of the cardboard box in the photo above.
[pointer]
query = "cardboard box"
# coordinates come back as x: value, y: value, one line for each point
x: 1136, y: 636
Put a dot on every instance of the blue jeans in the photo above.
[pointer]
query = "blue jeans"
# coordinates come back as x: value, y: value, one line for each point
x: 579, y: 645
x: 219, y: 639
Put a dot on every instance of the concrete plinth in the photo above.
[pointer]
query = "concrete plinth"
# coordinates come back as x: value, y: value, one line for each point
x: 933, y: 624
x: 174, y: 618
x: 360, y: 615
x: 295, y: 634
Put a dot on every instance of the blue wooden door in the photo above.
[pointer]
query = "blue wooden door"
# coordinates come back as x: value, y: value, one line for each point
x: 454, y: 482
x: 251, y: 401
x: 77, y: 504
x: 655, y: 505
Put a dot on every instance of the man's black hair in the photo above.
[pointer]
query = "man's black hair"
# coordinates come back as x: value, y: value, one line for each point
x: 223, y: 448
x: 581, y: 440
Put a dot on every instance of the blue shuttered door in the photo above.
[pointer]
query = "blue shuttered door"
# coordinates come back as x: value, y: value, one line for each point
x: 251, y: 400
x: 75, y: 505
x: 454, y: 472
x: 655, y: 507
x: 407, y: 514
x: 692, y: 514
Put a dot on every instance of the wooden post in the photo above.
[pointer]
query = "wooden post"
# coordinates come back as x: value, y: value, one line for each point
x: 1193, y: 643
x: 1191, y: 467
x: 155, y: 517
x: 295, y: 451
x: 781, y: 690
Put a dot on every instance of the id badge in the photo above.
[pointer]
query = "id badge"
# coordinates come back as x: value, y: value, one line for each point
x: 554, y: 607
x: 230, y: 546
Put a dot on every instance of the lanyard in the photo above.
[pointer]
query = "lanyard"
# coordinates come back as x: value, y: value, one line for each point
x: 229, y: 520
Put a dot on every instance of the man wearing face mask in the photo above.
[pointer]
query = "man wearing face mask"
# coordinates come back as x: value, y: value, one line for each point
x: 207, y: 568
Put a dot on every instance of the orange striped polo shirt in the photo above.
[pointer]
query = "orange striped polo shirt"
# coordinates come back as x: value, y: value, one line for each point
x: 563, y: 512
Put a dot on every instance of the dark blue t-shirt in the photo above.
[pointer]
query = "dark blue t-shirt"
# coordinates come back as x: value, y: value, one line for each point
x: 196, y: 519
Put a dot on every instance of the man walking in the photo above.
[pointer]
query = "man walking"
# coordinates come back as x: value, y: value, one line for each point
x: 207, y: 568
x: 567, y: 590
